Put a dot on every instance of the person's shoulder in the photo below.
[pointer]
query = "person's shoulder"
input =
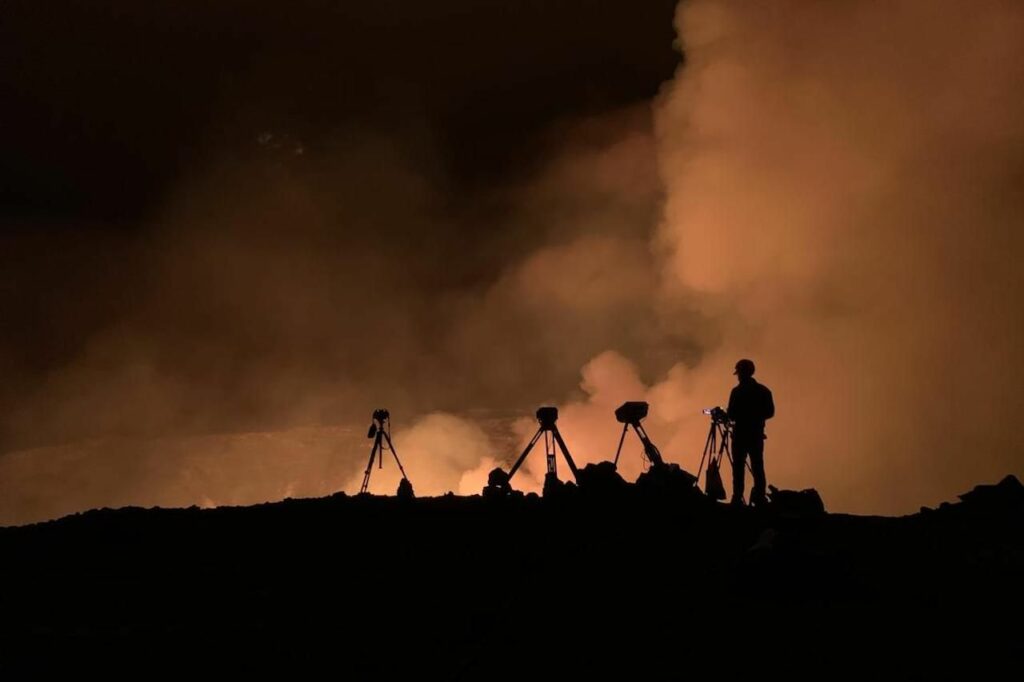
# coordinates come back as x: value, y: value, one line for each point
x: 764, y: 388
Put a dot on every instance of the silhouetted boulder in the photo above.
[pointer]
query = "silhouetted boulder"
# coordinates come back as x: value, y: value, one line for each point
x: 498, y: 484
x: 555, y: 489
x: 498, y: 478
x: 601, y: 479
x: 803, y: 503
x: 1005, y: 496
x: 668, y: 480
x: 405, y: 491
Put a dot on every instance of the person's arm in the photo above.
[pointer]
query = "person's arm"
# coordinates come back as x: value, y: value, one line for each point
x: 769, y: 407
x: 731, y: 410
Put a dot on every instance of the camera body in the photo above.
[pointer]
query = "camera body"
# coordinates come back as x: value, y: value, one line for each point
x: 379, y: 417
x: 631, y: 412
x: 547, y: 416
x: 717, y: 414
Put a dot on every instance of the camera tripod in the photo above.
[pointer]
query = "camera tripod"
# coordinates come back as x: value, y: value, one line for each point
x: 630, y: 414
x: 717, y: 446
x: 380, y: 431
x: 547, y: 416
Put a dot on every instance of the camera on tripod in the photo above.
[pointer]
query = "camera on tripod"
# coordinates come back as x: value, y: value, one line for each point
x: 380, y: 432
x: 631, y: 412
x: 716, y: 448
x: 546, y: 417
x: 717, y: 414
x: 379, y: 417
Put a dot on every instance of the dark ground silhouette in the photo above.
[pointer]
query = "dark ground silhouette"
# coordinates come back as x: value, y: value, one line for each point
x: 638, y: 583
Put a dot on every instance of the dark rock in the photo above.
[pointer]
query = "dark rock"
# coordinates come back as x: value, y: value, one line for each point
x: 498, y: 484
x: 405, y: 491
x: 1007, y: 495
x: 601, y: 479
x: 555, y: 489
x: 803, y: 503
x: 498, y: 478
x: 668, y: 480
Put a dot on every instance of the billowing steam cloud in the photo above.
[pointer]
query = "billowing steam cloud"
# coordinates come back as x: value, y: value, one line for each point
x: 845, y: 198
x: 832, y: 189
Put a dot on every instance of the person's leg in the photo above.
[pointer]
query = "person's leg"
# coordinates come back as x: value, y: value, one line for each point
x: 757, y: 493
x: 739, y: 459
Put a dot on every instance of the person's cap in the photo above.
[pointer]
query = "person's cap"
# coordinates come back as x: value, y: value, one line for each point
x: 744, y: 368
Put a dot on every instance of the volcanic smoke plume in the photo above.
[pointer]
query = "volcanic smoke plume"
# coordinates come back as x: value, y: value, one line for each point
x: 832, y: 189
x: 845, y: 199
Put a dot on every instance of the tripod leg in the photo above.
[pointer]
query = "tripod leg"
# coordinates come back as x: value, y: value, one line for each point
x: 565, y: 451
x: 369, y: 464
x: 397, y: 461
x: 549, y: 456
x: 709, y: 447
x: 724, y: 448
x: 522, y: 457
x: 621, y: 440
x: 650, y: 449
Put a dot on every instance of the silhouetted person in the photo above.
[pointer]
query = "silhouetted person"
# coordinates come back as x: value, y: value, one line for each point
x: 750, y: 404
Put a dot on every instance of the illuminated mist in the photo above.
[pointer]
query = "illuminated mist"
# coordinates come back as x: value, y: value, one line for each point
x: 832, y: 189
x: 845, y: 198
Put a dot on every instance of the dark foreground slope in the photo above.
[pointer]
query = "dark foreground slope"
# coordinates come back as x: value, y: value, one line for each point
x: 469, y: 588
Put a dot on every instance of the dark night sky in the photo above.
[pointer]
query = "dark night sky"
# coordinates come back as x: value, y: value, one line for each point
x: 112, y: 109
x: 106, y: 103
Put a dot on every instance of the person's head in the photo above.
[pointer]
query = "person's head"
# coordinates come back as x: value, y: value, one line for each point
x: 744, y: 369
